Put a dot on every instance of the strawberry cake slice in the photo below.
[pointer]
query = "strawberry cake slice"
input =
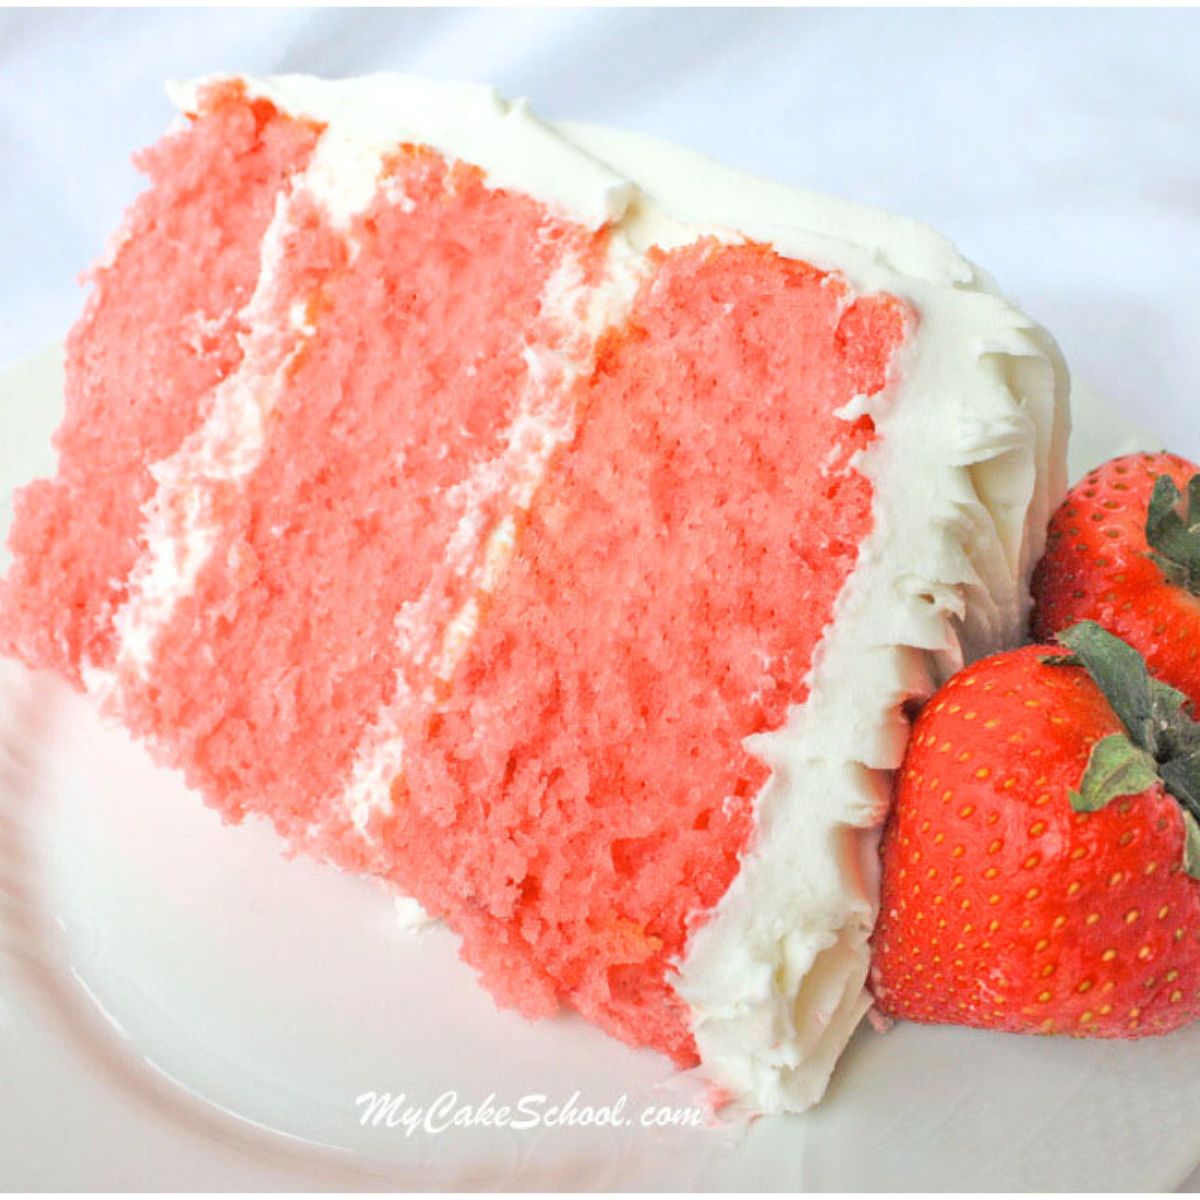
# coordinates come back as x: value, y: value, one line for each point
x: 548, y: 522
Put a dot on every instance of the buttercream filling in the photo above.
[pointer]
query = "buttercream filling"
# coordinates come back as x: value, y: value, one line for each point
x: 181, y: 521
x: 577, y: 313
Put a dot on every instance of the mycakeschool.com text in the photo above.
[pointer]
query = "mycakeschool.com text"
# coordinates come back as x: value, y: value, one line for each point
x: 449, y: 1111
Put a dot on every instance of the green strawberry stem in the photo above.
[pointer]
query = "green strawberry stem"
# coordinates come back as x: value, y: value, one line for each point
x: 1174, y: 535
x: 1117, y: 767
x: 1161, y: 740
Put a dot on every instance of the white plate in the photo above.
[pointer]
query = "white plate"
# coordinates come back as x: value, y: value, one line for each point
x: 181, y: 1007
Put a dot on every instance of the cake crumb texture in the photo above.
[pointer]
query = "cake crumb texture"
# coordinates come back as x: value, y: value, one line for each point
x: 582, y: 792
x: 159, y: 332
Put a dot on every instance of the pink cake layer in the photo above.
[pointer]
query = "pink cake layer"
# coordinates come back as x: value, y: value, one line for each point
x: 159, y: 331
x: 575, y: 795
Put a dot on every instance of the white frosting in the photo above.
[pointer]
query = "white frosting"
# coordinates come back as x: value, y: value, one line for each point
x: 969, y: 460
x: 410, y: 916
x: 367, y: 117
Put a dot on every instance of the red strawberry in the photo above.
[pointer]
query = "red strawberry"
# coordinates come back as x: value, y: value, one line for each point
x: 1038, y: 875
x: 1122, y: 553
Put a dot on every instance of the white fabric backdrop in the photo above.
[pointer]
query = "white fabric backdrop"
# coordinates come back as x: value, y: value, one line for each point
x: 1059, y: 149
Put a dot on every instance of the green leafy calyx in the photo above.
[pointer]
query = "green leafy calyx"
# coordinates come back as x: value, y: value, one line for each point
x: 1116, y: 768
x: 1173, y: 532
x: 1191, y: 845
x: 1161, y: 740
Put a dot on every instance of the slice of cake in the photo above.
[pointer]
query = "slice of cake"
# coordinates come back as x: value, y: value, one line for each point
x: 548, y: 522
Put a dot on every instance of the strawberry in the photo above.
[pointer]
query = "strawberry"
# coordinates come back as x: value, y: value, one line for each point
x: 1123, y: 552
x: 1041, y: 866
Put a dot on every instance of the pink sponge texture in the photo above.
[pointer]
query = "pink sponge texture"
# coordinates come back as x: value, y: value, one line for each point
x: 583, y: 792
x: 573, y: 791
x: 160, y: 330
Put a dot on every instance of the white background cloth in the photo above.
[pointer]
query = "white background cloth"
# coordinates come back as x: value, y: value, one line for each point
x: 1059, y: 149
